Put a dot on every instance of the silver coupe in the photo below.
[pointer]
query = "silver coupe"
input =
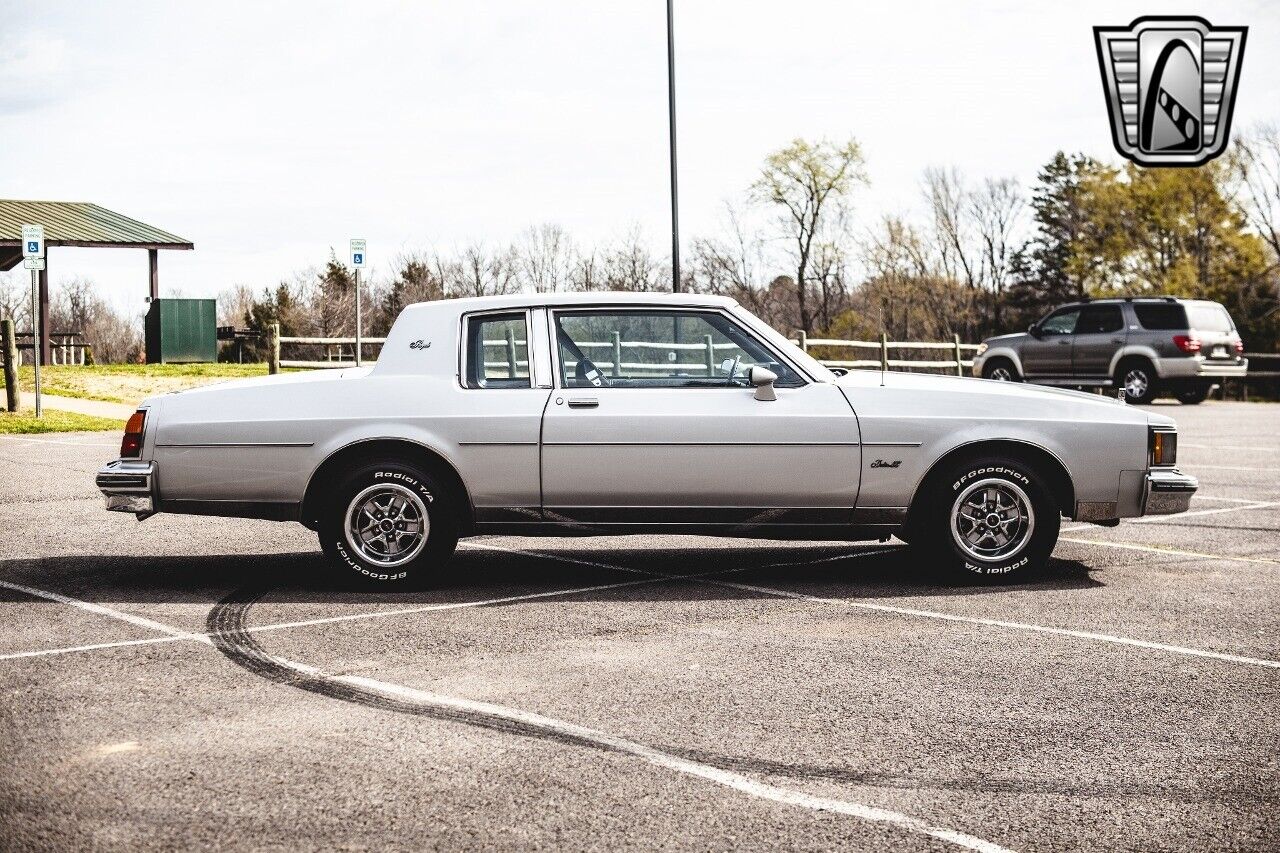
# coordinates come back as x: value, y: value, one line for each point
x: 603, y: 413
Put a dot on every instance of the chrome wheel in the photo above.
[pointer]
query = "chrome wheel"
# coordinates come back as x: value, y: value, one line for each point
x: 1001, y: 374
x: 387, y: 524
x: 1136, y: 383
x: 992, y: 519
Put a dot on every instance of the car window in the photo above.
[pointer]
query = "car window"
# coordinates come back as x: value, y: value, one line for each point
x: 1061, y: 322
x: 497, y: 351
x: 1208, y: 318
x: 1099, y: 319
x: 1160, y: 316
x: 660, y: 349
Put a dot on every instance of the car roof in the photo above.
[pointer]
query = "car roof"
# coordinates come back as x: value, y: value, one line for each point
x: 465, y: 305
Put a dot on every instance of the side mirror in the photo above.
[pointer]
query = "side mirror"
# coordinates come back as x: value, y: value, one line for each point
x: 1034, y: 330
x: 763, y: 378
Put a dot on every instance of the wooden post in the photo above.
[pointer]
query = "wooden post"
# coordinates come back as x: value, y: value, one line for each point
x: 41, y: 350
x: 153, y: 264
x: 711, y: 355
x: 511, y: 354
x: 617, y: 353
x: 9, y: 343
x: 803, y: 340
x: 273, y: 348
x: 959, y: 360
x: 884, y: 350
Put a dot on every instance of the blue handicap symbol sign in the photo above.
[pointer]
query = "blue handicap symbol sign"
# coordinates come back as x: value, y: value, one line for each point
x: 33, y: 246
x: 357, y: 258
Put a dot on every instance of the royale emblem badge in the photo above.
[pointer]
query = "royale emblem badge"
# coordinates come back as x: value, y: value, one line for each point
x: 1171, y: 85
x: 420, y: 344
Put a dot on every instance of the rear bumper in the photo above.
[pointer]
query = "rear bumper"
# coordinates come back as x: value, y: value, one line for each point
x: 1168, y: 491
x: 1199, y: 367
x: 128, y: 485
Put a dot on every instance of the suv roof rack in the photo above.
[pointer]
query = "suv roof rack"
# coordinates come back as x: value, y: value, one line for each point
x: 1087, y: 299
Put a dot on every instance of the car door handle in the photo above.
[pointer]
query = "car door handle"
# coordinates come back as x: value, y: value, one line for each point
x: 584, y: 404
x: 1117, y: 340
x: 1063, y: 343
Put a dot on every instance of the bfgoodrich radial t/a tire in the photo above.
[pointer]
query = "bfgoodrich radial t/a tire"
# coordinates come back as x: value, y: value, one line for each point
x: 993, y: 517
x: 388, y: 524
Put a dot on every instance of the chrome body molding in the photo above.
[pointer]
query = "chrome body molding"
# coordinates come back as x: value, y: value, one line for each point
x: 828, y: 457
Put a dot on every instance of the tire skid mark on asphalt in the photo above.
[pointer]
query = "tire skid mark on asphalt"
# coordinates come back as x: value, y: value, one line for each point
x: 937, y: 614
x: 226, y: 626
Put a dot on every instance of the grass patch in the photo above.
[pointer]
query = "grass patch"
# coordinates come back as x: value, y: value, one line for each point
x: 56, y: 421
x: 130, y: 383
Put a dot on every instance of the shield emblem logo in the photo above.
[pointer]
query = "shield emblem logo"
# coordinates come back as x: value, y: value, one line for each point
x: 1170, y: 84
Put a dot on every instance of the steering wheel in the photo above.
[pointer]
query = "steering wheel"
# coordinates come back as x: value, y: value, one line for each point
x: 586, y: 373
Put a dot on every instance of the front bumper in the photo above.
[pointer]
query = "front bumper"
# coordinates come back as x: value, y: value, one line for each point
x: 1168, y: 491
x: 128, y: 485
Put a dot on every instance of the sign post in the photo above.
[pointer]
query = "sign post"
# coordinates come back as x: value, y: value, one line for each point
x: 33, y: 259
x: 358, y: 260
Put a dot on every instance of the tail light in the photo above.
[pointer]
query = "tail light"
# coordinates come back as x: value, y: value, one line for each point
x: 131, y: 444
x: 1164, y: 447
x: 1240, y: 347
x: 1186, y: 343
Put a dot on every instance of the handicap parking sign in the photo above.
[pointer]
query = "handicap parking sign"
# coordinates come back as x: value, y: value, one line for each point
x: 32, y: 247
x: 358, y: 252
x: 358, y: 258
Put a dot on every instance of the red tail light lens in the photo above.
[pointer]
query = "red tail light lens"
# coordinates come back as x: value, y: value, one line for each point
x: 131, y: 444
x: 1186, y: 343
x: 1240, y: 347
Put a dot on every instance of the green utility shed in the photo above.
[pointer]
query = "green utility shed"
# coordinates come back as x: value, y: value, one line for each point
x: 182, y: 331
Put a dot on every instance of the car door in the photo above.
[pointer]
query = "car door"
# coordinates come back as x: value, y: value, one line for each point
x: 1099, y: 334
x: 653, y: 421
x: 1047, y: 352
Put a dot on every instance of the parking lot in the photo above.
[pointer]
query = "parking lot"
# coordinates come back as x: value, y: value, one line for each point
x: 192, y: 682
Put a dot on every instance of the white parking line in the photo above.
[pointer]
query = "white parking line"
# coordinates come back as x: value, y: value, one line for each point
x: 736, y: 781
x: 935, y: 614
x: 1230, y: 447
x: 1228, y: 500
x: 1147, y: 519
x: 1177, y: 552
x: 1196, y: 467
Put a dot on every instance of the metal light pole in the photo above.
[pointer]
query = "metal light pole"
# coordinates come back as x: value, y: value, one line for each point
x: 671, y: 110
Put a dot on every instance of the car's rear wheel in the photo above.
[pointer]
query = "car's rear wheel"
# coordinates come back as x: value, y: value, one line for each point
x: 993, y: 517
x: 1193, y: 396
x: 1001, y: 370
x: 388, y: 524
x: 1137, y: 378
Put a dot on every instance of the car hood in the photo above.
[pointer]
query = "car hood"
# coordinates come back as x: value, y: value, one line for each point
x: 998, y: 395
x: 1011, y: 338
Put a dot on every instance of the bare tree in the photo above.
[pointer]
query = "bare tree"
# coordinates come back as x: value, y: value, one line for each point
x: 546, y: 258
x: 1255, y: 162
x: 997, y: 211
x: 808, y: 180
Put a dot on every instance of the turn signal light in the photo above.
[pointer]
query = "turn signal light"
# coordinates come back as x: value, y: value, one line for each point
x: 1186, y: 343
x: 1164, y: 448
x: 131, y: 444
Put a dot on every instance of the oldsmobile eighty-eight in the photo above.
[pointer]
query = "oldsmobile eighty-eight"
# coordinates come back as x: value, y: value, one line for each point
x: 629, y: 413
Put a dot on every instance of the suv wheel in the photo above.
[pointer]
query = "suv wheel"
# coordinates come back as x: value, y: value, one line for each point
x: 388, y: 523
x: 1138, y: 381
x: 1001, y: 370
x: 994, y: 517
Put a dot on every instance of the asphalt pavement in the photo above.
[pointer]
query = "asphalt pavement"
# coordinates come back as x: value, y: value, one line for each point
x: 197, y: 683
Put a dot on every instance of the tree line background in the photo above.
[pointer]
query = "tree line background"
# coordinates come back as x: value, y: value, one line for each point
x: 972, y: 257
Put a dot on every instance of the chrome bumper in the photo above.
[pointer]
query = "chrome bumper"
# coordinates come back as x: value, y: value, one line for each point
x: 1168, y: 491
x: 127, y: 485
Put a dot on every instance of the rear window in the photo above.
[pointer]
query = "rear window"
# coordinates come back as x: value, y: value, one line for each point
x: 1209, y: 318
x: 1161, y: 315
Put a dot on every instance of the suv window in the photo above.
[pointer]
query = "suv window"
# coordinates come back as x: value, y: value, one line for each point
x: 660, y: 349
x: 497, y: 351
x: 1209, y: 318
x: 1160, y: 316
x: 1060, y: 322
x: 1099, y: 319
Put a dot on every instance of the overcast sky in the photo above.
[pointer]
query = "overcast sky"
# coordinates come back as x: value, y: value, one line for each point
x: 267, y: 133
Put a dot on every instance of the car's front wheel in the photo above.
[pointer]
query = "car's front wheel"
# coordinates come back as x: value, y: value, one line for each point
x: 1001, y: 370
x: 993, y: 517
x: 388, y: 523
